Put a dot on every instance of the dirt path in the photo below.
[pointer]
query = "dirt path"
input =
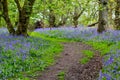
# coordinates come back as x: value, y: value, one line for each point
x: 69, y: 63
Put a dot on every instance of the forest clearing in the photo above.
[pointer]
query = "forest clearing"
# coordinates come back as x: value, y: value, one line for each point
x: 59, y: 39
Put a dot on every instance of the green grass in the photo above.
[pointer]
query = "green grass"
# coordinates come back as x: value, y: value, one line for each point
x: 103, y: 47
x: 84, y: 60
x: 61, y: 75
x: 43, y: 36
x: 87, y: 56
x: 88, y: 53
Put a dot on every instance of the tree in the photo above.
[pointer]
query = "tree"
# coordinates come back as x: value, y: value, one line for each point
x: 6, y: 17
x: 63, y: 13
x: 117, y: 15
x: 24, y: 16
x: 111, y: 7
x: 52, y: 17
x: 78, y: 11
x: 0, y: 13
x: 103, y: 16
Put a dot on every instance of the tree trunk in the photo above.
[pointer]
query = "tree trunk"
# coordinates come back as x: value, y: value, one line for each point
x: 110, y: 14
x: 76, y: 17
x: 117, y: 15
x: 103, y: 16
x: 24, y: 16
x: 63, y: 20
x: 75, y: 21
x: 0, y: 13
x: 22, y: 24
x: 51, y: 19
x: 6, y: 17
x: 78, y: 14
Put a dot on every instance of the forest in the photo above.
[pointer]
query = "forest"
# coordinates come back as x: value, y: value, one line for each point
x: 59, y: 39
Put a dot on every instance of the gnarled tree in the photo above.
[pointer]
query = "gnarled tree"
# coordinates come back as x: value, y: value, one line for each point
x: 24, y: 16
x: 6, y: 17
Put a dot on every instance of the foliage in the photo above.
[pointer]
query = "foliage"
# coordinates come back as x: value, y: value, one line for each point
x: 62, y: 9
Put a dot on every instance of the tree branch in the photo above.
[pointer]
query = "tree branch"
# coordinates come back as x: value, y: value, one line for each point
x: 93, y: 24
x: 83, y: 9
x: 18, y: 5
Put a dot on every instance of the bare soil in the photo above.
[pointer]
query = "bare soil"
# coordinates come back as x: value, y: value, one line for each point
x: 69, y: 62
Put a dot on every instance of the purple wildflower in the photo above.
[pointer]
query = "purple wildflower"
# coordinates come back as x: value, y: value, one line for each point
x: 100, y: 75
x: 107, y: 76
x: 109, y: 61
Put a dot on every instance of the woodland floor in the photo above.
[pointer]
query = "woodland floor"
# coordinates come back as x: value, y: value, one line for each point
x: 69, y: 62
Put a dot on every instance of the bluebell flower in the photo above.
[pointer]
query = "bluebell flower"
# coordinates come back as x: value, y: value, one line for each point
x: 109, y: 61
x: 24, y: 56
x: 100, y: 75
x: 108, y: 77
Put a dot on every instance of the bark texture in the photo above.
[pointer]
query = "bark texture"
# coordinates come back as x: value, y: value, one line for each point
x: 103, y: 16
x: 24, y: 16
x: 76, y: 16
x: 6, y: 16
x: 52, y: 19
x: 117, y: 15
x: 63, y: 20
x: 0, y: 12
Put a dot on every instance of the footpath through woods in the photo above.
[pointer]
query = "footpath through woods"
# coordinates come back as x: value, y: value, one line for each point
x: 69, y: 63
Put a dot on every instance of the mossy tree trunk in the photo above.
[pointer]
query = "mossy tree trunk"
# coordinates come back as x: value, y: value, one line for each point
x: 117, y: 15
x: 103, y: 16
